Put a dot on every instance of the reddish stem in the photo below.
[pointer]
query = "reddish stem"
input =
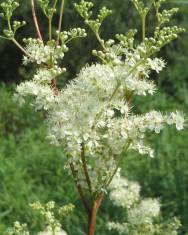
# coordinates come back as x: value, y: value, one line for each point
x: 83, y: 159
x: 79, y: 188
x: 54, y: 86
x: 35, y: 20
x: 93, y: 215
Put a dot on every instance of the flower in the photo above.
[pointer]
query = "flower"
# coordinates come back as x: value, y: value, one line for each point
x: 140, y: 215
x: 156, y: 64
x: 176, y: 118
x: 123, y: 192
x: 88, y: 113
x: 48, y: 231
x: 37, y: 52
x: 144, y: 212
x: 92, y: 115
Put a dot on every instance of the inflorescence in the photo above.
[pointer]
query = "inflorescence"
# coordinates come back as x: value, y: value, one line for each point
x: 92, y: 117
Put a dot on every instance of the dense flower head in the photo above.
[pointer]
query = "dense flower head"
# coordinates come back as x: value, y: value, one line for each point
x: 45, y: 75
x: 18, y: 228
x: 87, y: 113
x: 51, y: 216
x: 144, y: 212
x: 49, y: 231
x: 141, y: 215
x: 93, y: 116
x: 39, y: 53
x: 123, y: 192
x: 43, y: 94
x: 50, y: 213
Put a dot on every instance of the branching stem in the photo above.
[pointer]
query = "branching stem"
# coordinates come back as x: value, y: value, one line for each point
x: 60, y: 21
x: 35, y: 20
x: 19, y: 46
x: 93, y: 216
x: 80, y: 191
x: 100, y: 40
x: 117, y: 165
x: 50, y: 27
x: 84, y: 164
x: 143, y: 19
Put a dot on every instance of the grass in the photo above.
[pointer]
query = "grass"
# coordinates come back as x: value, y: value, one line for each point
x: 32, y: 170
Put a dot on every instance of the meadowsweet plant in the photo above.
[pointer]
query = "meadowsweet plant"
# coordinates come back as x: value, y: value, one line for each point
x: 141, y: 216
x: 92, y: 118
x: 49, y: 212
x: 18, y: 229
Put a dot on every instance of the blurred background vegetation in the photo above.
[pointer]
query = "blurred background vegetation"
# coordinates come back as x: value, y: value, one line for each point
x: 32, y: 170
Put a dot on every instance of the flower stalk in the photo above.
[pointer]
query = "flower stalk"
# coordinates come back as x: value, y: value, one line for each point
x: 60, y: 21
x: 80, y: 191
x: 35, y: 20
x: 143, y: 19
x: 84, y: 165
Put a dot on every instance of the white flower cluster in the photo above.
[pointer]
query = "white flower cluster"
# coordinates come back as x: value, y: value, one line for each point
x: 39, y: 53
x: 156, y: 64
x: 92, y: 115
x: 121, y: 228
x: 144, y: 212
x: 45, y: 75
x: 140, y: 213
x: 49, y: 231
x: 49, y: 212
x: 44, y: 97
x: 124, y: 193
x: 85, y: 102
x: 18, y: 228
x: 88, y: 112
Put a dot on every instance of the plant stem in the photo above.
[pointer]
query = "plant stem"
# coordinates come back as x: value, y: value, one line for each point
x: 9, y: 25
x: 79, y: 188
x: 108, y: 181
x: 60, y: 21
x: 93, y: 215
x: 54, y: 86
x: 50, y: 28
x: 19, y: 46
x: 55, y: 3
x: 143, y: 27
x: 84, y: 164
x: 53, y: 231
x: 50, y: 18
x: 35, y: 20
x: 100, y: 40
x: 115, y: 90
x: 118, y: 164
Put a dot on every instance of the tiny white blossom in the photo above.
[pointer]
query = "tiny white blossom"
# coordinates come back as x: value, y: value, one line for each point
x: 144, y: 212
x: 121, y: 228
x: 49, y: 231
x: 39, y: 53
x: 156, y: 64
x: 178, y: 119
x: 123, y: 192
